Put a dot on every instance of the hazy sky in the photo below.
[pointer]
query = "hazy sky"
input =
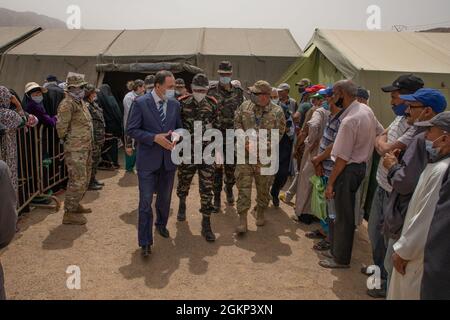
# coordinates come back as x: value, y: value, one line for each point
x: 300, y: 16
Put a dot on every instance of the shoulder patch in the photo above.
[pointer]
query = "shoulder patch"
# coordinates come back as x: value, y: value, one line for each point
x: 213, y: 99
x: 184, y: 97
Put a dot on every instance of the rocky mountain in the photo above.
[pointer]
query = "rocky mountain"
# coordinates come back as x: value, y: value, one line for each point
x: 12, y: 18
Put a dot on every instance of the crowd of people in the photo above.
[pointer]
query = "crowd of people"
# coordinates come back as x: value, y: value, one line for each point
x: 329, y: 143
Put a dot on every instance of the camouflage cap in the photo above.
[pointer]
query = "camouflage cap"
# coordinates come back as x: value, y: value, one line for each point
x: 305, y: 82
x: 200, y: 80
x: 180, y: 83
x: 261, y: 86
x: 75, y: 81
x: 225, y: 67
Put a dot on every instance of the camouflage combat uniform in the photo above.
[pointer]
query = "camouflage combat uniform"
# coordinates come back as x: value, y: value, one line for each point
x: 74, y: 126
x: 229, y: 101
x: 98, y: 123
x: 250, y: 116
x: 205, y: 111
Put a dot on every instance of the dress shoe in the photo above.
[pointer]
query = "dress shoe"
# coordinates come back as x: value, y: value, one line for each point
x: 146, y: 250
x: 163, y: 232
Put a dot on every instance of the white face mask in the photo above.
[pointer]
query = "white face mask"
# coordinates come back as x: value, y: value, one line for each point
x: 198, y: 96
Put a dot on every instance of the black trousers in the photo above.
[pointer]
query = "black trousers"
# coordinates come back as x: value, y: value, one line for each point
x: 345, y: 189
x: 2, y: 285
x: 112, y: 155
x: 285, y: 152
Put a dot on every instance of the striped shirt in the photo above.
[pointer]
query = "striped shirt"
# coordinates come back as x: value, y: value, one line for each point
x: 329, y: 135
x: 400, y: 131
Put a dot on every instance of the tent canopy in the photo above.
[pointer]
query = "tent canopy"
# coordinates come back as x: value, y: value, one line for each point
x: 12, y: 35
x: 353, y: 51
x: 205, y: 41
x: 374, y: 59
x: 255, y: 53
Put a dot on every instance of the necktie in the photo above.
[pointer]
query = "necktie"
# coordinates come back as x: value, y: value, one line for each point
x: 161, y: 112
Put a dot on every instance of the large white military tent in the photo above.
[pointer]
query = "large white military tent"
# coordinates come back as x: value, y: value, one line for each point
x: 374, y: 59
x: 119, y: 55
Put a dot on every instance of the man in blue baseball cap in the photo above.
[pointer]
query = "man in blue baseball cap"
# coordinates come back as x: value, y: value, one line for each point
x: 404, y: 172
x: 424, y: 104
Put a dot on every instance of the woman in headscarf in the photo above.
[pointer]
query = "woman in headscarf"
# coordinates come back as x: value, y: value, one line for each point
x: 114, y: 125
x: 35, y: 104
x: 11, y: 120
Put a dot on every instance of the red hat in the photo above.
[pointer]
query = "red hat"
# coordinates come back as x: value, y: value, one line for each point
x: 315, y: 88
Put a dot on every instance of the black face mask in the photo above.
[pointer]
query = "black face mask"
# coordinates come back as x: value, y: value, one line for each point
x: 339, y: 103
x: 301, y: 90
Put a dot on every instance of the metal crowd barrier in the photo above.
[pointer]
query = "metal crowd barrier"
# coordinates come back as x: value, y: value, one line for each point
x: 40, y: 166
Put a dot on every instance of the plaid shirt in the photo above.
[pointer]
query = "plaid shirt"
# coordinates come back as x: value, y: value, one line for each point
x: 329, y: 135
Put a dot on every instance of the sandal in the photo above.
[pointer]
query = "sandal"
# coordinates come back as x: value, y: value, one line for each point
x: 323, y: 245
x: 316, y: 234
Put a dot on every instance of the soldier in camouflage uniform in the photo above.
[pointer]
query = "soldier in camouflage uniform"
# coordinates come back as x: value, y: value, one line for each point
x: 229, y: 98
x: 75, y: 128
x: 98, y: 123
x: 257, y: 113
x: 198, y: 107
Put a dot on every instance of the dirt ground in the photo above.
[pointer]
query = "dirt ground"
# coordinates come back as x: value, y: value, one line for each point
x: 272, y: 262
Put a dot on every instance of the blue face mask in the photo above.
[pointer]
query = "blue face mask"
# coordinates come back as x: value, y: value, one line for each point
x: 170, y: 94
x: 400, y: 109
x: 225, y: 80
x: 325, y: 105
x: 37, y: 99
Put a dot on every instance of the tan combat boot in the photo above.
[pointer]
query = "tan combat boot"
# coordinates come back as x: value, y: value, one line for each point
x: 242, y: 227
x: 74, y: 219
x: 260, y: 217
x: 82, y: 209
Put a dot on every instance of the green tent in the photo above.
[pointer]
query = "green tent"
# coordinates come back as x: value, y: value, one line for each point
x: 374, y: 59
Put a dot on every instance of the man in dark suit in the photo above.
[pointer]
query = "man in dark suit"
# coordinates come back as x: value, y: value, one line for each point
x: 151, y: 121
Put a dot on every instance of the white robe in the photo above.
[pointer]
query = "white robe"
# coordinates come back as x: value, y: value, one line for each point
x: 411, y: 244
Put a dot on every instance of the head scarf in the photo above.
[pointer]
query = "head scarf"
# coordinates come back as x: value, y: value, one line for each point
x: 5, y: 97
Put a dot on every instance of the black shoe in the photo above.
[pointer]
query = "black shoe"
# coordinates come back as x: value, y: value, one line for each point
x: 275, y: 201
x: 182, y: 211
x: 306, y: 218
x: 146, y: 250
x: 230, y: 196
x: 216, y: 206
x: 94, y: 187
x: 377, y: 293
x: 206, y: 229
x: 163, y: 232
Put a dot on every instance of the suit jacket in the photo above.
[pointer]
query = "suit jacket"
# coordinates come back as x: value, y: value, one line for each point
x: 144, y: 122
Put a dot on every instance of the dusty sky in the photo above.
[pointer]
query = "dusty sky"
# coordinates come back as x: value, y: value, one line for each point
x: 300, y: 16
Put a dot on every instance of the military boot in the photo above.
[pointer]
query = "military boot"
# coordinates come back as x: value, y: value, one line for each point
x: 74, y: 219
x: 82, y: 209
x: 206, y: 229
x: 181, y: 216
x: 260, y: 217
x: 230, y: 196
x: 242, y: 227
x: 216, y: 206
